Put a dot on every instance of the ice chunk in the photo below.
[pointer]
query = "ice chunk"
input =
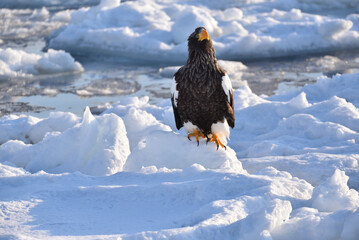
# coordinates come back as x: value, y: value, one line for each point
x: 158, y: 30
x: 56, y: 122
x: 166, y: 149
x: 96, y: 146
x: 57, y: 61
x: 308, y: 223
x: 26, y: 24
x: 18, y: 63
x: 14, y: 127
x: 334, y: 194
x: 191, y: 17
x: 31, y: 129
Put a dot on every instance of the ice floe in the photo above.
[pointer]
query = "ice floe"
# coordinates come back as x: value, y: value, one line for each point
x: 18, y: 63
x: 158, y: 30
x: 21, y: 24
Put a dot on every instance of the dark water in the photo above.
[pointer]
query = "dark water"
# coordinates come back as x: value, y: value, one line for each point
x: 54, y: 5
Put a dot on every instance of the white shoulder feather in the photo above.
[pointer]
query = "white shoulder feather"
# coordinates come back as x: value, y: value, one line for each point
x: 174, y: 92
x: 227, y: 86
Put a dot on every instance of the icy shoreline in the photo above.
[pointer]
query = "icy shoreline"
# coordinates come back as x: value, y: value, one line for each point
x: 298, y: 151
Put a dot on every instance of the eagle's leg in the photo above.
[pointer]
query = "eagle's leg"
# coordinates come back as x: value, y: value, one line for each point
x: 196, y: 134
x: 215, y: 139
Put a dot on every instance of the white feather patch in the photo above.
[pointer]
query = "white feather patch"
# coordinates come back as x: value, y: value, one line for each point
x: 221, y: 129
x: 190, y: 127
x: 174, y: 92
x: 227, y: 86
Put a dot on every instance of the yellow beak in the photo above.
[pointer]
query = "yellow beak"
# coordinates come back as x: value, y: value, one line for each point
x: 203, y: 35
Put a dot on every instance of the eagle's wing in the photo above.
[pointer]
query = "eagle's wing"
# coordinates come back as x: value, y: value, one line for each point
x: 174, y: 99
x: 227, y: 88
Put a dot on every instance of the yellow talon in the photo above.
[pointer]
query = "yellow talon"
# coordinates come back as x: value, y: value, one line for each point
x: 196, y: 134
x: 215, y: 139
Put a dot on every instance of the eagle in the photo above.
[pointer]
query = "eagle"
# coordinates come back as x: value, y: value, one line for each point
x: 201, y: 93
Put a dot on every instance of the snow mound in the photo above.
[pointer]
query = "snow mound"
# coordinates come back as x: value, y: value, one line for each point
x: 140, y: 118
x: 334, y: 194
x: 315, y: 120
x: 17, y: 63
x: 96, y: 146
x: 309, y: 132
x: 157, y: 31
x: 31, y: 129
x: 309, y: 223
x: 9, y: 170
x: 165, y: 149
x: 331, y: 216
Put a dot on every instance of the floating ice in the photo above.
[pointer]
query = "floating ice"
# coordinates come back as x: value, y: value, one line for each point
x: 26, y: 24
x: 157, y: 31
x: 18, y: 63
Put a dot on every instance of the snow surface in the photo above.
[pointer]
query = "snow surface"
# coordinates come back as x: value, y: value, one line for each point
x: 158, y: 30
x: 18, y: 63
x: 290, y: 171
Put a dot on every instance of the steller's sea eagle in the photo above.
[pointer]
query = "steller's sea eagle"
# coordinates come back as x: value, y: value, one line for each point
x: 201, y: 93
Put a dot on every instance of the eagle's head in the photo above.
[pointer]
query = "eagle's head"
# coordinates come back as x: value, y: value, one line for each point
x: 200, y: 40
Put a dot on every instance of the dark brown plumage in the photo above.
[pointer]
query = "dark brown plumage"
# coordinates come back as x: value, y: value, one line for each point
x: 200, y: 95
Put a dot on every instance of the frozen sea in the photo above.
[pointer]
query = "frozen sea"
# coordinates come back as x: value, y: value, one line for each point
x: 88, y: 144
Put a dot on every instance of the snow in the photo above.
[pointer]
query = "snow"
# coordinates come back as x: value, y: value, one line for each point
x: 291, y: 167
x: 31, y: 129
x: 334, y: 194
x: 104, y: 150
x: 18, y: 63
x: 290, y: 171
x: 158, y: 30
x: 350, y: 229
